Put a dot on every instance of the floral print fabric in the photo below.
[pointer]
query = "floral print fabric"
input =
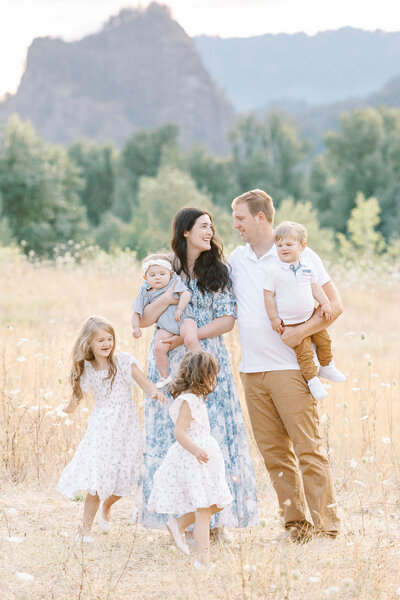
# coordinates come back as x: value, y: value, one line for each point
x: 225, y: 417
x: 182, y: 484
x: 108, y: 459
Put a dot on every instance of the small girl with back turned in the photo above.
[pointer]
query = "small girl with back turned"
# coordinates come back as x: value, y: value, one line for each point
x: 107, y: 461
x: 191, y: 479
x: 158, y: 276
x: 290, y: 291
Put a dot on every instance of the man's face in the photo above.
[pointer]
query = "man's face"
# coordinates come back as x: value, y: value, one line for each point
x: 246, y: 224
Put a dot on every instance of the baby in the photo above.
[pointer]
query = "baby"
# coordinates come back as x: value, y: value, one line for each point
x: 290, y: 287
x: 158, y: 276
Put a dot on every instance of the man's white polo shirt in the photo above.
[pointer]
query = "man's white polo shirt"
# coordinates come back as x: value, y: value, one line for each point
x: 262, y: 347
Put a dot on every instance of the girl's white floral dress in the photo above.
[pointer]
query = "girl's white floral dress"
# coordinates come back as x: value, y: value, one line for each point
x: 108, y: 459
x: 182, y: 484
x: 225, y: 417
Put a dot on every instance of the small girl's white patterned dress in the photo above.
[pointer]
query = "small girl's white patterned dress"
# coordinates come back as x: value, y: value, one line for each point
x: 181, y: 484
x: 109, y: 457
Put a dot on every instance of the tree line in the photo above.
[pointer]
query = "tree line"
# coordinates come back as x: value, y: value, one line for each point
x: 349, y: 194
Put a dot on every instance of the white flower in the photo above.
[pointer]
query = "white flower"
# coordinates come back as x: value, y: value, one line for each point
x: 63, y: 534
x: 353, y: 464
x: 355, y: 389
x: 13, y: 512
x: 358, y: 482
x: 21, y: 358
x: 15, y: 540
x: 324, y: 418
x: 348, y: 582
x: 349, y: 333
x: 374, y: 375
x: 25, y: 576
x: 364, y: 418
x: 68, y: 422
x: 398, y: 591
x: 386, y: 385
x: 34, y: 408
x: 280, y: 474
x: 314, y: 579
x: 385, y: 440
x: 38, y: 355
x: 296, y: 574
x: 332, y: 590
x: 47, y: 395
x: 14, y: 392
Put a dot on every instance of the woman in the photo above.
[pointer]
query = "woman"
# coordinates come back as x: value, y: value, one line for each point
x: 198, y: 260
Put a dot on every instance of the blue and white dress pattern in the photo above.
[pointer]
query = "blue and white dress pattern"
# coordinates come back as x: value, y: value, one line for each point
x: 225, y: 416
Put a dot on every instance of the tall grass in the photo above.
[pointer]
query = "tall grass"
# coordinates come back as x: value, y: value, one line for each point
x: 41, y: 308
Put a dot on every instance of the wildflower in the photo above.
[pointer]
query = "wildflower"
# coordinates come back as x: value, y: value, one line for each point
x: 47, y: 395
x: 367, y: 356
x: 14, y: 392
x: 349, y: 333
x: 21, y: 358
x: 296, y: 574
x: 374, y: 374
x: 25, y: 576
x: 345, y: 404
x: 38, y: 355
x: 63, y: 534
x: 385, y: 440
x: 314, y: 579
x: 13, y: 512
x: 386, y: 385
x: 363, y: 335
x: 68, y: 422
x: 353, y: 464
x: 15, y: 540
x: 280, y: 474
x: 355, y: 389
x: 364, y: 418
x: 332, y: 590
x: 324, y: 418
x: 358, y: 482
x: 287, y: 502
x: 348, y: 582
x: 34, y: 408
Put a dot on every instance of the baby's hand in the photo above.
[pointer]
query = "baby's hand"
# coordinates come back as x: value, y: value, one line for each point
x: 277, y: 325
x: 200, y: 455
x: 157, y: 395
x: 136, y: 332
x: 178, y: 314
x: 326, y: 311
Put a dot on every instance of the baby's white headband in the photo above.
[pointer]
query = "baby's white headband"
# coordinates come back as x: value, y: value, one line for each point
x: 156, y: 261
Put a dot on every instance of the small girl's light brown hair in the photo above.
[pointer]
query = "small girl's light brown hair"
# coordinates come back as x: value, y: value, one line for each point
x: 82, y: 351
x: 197, y: 373
x: 292, y: 230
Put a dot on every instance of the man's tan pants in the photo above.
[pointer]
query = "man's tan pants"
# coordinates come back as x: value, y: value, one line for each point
x: 285, y: 423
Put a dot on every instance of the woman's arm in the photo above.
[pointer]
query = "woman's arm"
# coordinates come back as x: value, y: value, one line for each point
x: 155, y: 309
x: 293, y: 336
x: 181, y: 426
x: 214, y: 328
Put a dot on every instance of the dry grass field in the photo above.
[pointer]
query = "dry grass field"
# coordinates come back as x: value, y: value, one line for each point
x: 41, y: 307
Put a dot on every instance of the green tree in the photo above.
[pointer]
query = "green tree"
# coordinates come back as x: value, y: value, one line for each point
x: 97, y: 168
x: 364, y: 220
x: 267, y: 154
x: 39, y: 186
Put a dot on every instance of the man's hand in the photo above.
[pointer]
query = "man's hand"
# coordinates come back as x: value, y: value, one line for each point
x: 326, y: 311
x: 178, y: 314
x: 174, y: 341
x: 200, y: 455
x: 277, y: 325
x: 292, y: 336
x: 136, y: 332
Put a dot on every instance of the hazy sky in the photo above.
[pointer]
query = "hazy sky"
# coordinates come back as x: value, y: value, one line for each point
x: 23, y: 20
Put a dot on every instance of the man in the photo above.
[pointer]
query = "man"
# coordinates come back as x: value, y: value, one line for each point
x: 283, y: 413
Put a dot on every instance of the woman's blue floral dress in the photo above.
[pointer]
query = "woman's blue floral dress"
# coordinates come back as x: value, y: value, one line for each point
x: 225, y: 415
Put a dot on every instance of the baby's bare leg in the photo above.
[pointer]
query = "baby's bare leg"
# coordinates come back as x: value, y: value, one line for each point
x: 189, y: 333
x: 161, y: 352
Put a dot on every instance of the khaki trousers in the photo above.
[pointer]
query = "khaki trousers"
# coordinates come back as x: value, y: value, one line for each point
x: 285, y: 423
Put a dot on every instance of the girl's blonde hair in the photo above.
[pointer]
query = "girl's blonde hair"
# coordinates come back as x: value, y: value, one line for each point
x: 82, y: 351
x: 197, y: 373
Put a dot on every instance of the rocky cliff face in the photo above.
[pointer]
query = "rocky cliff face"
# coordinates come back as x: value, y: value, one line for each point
x: 141, y: 71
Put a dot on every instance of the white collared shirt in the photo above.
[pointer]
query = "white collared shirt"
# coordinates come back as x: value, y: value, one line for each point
x: 262, y: 347
x: 292, y: 287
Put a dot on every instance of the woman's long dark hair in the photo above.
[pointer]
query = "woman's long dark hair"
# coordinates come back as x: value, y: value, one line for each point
x: 210, y: 269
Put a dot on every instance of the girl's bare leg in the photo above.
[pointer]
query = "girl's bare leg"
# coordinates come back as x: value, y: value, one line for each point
x: 161, y: 352
x: 189, y: 334
x: 185, y: 521
x: 107, y: 504
x: 202, y: 535
x: 89, y: 512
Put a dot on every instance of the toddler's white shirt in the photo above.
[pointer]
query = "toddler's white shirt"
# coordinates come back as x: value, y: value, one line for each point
x: 293, y: 294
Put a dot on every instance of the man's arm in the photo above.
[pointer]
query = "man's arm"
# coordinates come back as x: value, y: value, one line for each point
x: 293, y: 336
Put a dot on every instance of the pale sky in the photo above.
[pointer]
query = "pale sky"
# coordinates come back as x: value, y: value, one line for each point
x: 23, y: 20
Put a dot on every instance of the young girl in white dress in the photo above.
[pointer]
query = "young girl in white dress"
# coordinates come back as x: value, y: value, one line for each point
x: 191, y: 479
x: 107, y: 461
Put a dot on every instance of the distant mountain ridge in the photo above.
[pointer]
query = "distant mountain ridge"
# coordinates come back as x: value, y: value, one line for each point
x: 322, y: 69
x: 140, y: 71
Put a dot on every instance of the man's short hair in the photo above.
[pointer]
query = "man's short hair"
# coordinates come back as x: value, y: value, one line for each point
x: 290, y: 229
x: 257, y: 201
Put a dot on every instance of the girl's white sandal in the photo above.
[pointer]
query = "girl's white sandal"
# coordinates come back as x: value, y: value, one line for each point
x: 83, y: 539
x: 176, y: 535
x: 102, y: 523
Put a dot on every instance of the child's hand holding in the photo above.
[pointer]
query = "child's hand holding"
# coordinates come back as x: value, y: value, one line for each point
x: 200, y: 455
x: 136, y: 332
x: 157, y: 395
x: 277, y: 325
x: 326, y: 311
x: 178, y: 314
